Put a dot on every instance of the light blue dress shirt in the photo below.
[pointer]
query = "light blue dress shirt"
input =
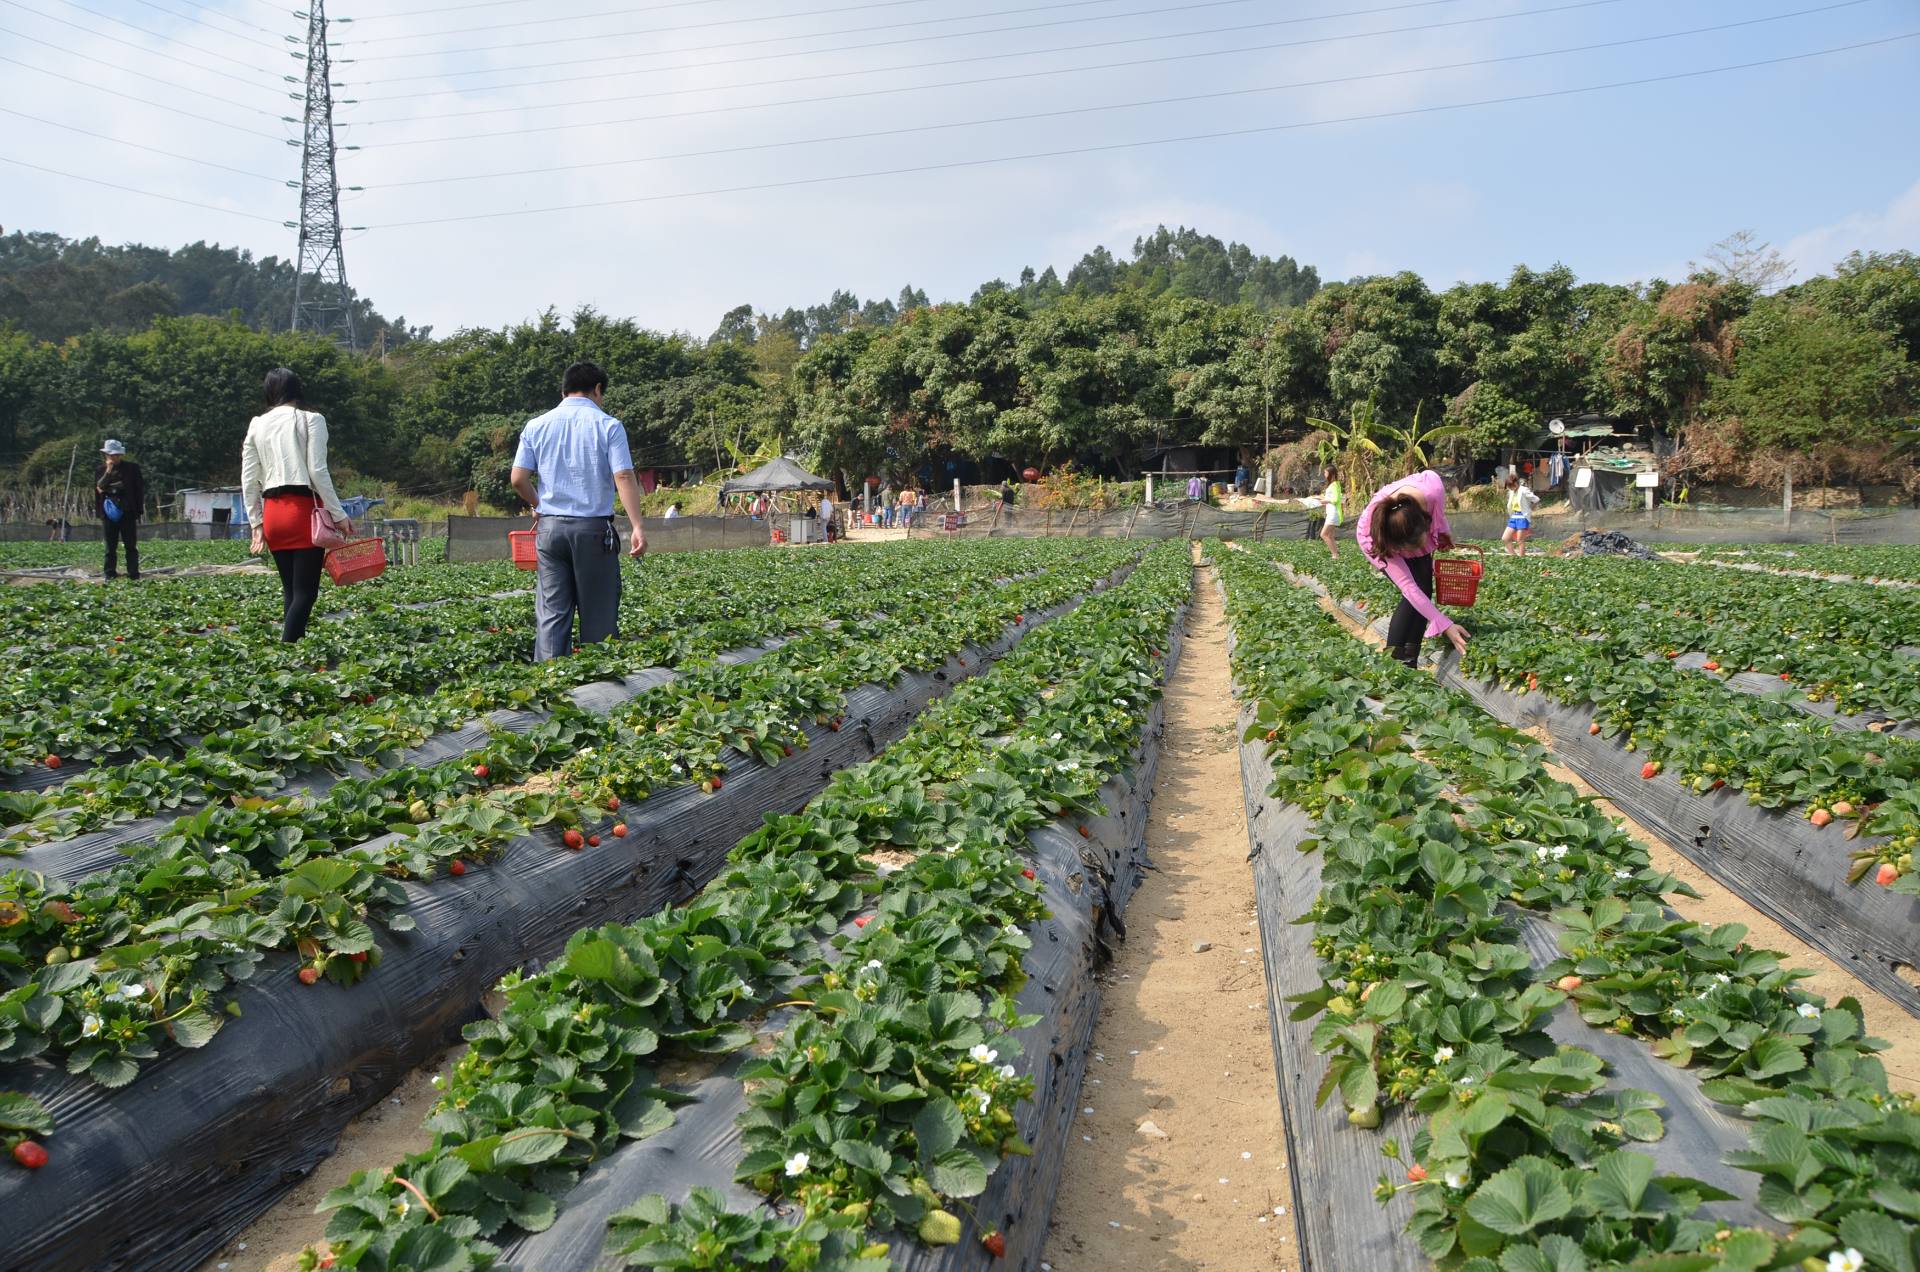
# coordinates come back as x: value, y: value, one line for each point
x: 574, y: 450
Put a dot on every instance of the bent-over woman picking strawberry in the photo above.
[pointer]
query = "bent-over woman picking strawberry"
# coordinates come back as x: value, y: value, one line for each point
x: 1404, y: 524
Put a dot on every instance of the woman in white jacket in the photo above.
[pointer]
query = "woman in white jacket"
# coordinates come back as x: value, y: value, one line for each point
x: 283, y: 476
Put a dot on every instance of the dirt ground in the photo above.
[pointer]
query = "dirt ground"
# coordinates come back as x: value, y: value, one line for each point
x: 375, y: 1140
x: 1718, y: 904
x: 1182, y: 1160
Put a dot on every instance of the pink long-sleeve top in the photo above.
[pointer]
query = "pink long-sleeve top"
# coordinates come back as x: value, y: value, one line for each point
x: 1433, y: 493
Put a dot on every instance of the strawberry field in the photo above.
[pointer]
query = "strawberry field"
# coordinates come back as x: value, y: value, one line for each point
x: 251, y: 886
x: 1484, y: 1009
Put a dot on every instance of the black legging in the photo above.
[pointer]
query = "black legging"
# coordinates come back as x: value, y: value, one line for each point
x: 1408, y: 626
x: 299, y: 588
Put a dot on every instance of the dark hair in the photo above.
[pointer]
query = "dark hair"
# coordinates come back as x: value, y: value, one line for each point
x: 1400, y: 525
x: 1513, y: 477
x: 283, y: 387
x: 584, y: 377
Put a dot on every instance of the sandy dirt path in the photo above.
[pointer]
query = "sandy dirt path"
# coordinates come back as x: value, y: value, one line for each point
x: 1182, y: 1158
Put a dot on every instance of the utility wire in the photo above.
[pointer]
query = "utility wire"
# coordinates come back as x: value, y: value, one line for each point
x: 122, y: 70
x: 151, y: 194
x: 1112, y: 147
x: 200, y: 21
x: 905, y: 66
x: 758, y: 19
x: 141, y: 48
x: 101, y: 88
x: 74, y: 4
x: 871, y: 44
x: 1067, y: 112
x: 495, y: 4
x: 142, y: 146
x: 1236, y: 50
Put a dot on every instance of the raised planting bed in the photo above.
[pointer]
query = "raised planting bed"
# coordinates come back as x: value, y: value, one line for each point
x: 878, y: 955
x: 240, y: 1120
x: 1473, y: 928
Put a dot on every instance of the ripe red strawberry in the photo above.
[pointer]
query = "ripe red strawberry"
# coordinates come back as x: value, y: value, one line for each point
x: 456, y: 867
x: 309, y: 974
x: 1417, y: 1173
x: 493, y: 629
x: 29, y: 1154
x: 619, y: 830
x: 481, y: 771
x: 1711, y: 665
x: 574, y: 839
x: 996, y: 1245
x: 1028, y: 872
x: 863, y: 920
x: 359, y: 957
x: 52, y: 761
x: 368, y: 699
x: 1085, y: 833
x: 1593, y: 728
x: 718, y: 781
x: 1019, y: 618
x: 1648, y: 769
x: 834, y: 725
x: 1886, y: 874
x: 785, y: 749
x: 613, y: 804
x: 593, y: 841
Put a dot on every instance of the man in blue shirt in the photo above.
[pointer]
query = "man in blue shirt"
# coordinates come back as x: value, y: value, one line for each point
x: 579, y: 454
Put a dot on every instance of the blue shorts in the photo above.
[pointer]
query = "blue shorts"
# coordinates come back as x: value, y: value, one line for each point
x: 1519, y: 523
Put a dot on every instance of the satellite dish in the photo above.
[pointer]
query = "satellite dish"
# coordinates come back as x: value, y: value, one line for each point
x: 1557, y: 427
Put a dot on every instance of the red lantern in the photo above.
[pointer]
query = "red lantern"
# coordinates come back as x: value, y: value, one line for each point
x: 1030, y: 475
x: 1527, y: 468
x: 873, y: 481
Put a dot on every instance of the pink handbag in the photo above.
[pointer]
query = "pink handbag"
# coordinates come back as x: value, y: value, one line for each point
x: 322, y: 529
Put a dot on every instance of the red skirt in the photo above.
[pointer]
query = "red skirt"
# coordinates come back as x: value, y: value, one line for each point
x: 287, y: 522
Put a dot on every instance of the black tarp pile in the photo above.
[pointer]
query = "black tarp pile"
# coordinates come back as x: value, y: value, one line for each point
x: 1608, y: 543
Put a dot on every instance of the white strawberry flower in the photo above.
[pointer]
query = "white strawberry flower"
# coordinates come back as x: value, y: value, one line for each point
x: 1540, y: 854
x: 1443, y: 1055
x: 131, y: 992
x: 983, y: 1054
x: 953, y: 847
x: 222, y: 850
x: 1723, y: 978
x: 975, y: 1093
x: 1847, y: 1260
x: 400, y: 1207
x: 1007, y: 1072
x: 1809, y: 1011
x: 1456, y: 1178
x: 90, y: 1026
x: 1560, y: 851
x: 1623, y: 874
x: 1467, y: 1081
x: 797, y: 1164
x: 1058, y: 736
x: 873, y: 964
x: 1011, y: 929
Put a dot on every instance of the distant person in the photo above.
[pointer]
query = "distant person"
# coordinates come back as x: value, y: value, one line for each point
x: 1008, y: 495
x: 1520, y: 503
x: 909, y: 505
x: 888, y: 502
x: 580, y: 456
x: 826, y: 516
x: 283, y: 478
x: 1333, y: 510
x: 119, y: 496
x: 54, y: 529
x: 1196, y: 488
x: 673, y: 511
x: 1240, y: 480
x: 1403, y: 525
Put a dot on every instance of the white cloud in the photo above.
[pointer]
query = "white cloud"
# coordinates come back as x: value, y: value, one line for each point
x: 1898, y: 226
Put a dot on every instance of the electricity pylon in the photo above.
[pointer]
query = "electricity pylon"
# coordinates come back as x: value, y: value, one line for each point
x: 321, y: 301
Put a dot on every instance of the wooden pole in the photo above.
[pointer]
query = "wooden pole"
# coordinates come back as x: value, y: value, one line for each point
x: 66, y: 494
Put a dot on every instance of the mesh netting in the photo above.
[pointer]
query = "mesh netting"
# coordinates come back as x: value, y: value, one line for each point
x: 471, y: 539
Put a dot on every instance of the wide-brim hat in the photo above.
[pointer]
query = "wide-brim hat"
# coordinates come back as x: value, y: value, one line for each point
x: 112, y: 446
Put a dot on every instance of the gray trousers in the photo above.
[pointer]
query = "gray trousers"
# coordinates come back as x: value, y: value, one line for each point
x: 577, y: 575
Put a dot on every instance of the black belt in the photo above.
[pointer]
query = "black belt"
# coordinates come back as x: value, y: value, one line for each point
x: 279, y: 492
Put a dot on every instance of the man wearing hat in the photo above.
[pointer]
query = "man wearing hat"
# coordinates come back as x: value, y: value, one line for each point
x: 119, y: 494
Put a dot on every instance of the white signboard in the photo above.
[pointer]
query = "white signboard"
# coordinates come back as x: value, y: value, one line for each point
x: 1582, y: 478
x: 1646, y: 481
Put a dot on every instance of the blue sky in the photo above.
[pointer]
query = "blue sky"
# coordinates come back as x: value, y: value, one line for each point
x: 1816, y: 156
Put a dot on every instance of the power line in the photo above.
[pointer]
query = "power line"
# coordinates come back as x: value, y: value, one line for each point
x: 495, y: 4
x: 123, y: 70
x: 550, y: 21
x: 200, y: 21
x: 114, y: 92
x: 150, y: 194
x: 1110, y: 147
x: 989, y: 57
x: 141, y: 146
x: 141, y: 48
x: 1132, y: 105
x: 74, y: 4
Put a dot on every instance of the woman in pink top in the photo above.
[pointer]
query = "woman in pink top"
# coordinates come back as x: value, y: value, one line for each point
x: 1402, y: 526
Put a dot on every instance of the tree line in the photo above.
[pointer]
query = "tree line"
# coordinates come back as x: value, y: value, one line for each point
x: 1191, y: 341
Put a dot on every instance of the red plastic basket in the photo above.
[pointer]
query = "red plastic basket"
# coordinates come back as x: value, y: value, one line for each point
x: 526, y: 551
x: 1456, y: 580
x: 357, y: 561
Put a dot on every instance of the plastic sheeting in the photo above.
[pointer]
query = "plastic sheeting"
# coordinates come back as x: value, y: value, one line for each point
x: 1780, y: 864
x: 1087, y: 883
x: 1333, y: 1166
x: 240, y: 1121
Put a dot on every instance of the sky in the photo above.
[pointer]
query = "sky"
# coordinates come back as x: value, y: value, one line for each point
x: 671, y: 159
